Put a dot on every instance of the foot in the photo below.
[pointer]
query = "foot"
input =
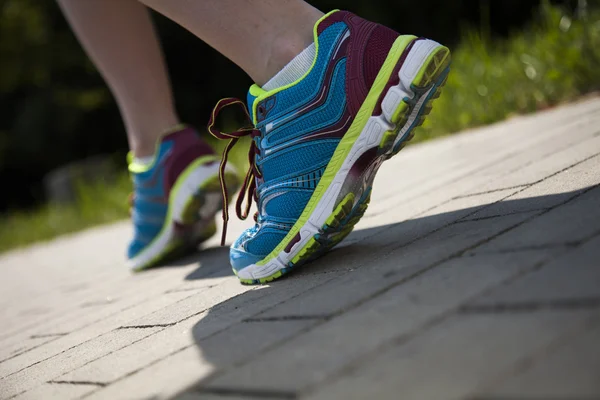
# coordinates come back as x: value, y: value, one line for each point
x: 320, y: 141
x: 175, y: 199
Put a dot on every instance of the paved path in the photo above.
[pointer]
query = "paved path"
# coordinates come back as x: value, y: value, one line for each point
x: 474, y: 275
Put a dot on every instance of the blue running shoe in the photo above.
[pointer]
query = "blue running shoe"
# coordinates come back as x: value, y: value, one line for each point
x: 175, y: 199
x: 318, y: 142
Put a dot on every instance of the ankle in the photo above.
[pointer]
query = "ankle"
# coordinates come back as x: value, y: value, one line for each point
x: 143, y: 150
x: 283, y: 50
x: 143, y: 141
x: 287, y: 43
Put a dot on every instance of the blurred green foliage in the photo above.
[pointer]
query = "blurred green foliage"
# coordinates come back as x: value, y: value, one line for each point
x: 96, y: 204
x: 554, y: 60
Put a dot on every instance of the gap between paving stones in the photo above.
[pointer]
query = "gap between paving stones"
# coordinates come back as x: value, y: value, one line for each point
x: 519, y: 189
x: 525, y: 307
x: 252, y: 394
x: 100, y: 384
x: 549, y: 286
x: 485, y: 179
x: 528, y: 185
x: 470, y: 219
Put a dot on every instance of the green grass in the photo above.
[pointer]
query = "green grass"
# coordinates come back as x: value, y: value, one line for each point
x: 96, y: 204
x: 554, y: 60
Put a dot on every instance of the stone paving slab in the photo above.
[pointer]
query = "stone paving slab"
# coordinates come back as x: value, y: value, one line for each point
x: 453, y: 359
x: 570, y: 369
x: 569, y: 280
x: 473, y: 275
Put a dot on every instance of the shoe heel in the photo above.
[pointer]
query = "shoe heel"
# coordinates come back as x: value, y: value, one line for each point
x: 194, y: 206
x: 406, y: 105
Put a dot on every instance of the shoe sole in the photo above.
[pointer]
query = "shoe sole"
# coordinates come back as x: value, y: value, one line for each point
x: 190, y: 215
x: 421, y: 67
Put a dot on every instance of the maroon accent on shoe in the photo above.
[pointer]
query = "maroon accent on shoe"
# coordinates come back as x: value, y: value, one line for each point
x: 181, y: 229
x: 292, y: 242
x: 368, y: 49
x: 187, y: 147
x: 264, y: 107
x: 364, y: 161
x: 395, y: 78
x: 338, y: 130
x: 376, y: 51
x: 356, y: 87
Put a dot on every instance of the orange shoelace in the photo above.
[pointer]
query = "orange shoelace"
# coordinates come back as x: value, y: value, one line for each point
x: 248, y: 189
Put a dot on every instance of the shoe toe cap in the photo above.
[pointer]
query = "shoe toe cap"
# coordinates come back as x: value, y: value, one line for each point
x: 134, y: 248
x: 253, y: 246
x: 241, y: 259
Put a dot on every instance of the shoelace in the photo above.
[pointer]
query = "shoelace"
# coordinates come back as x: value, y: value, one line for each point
x: 248, y: 189
x: 130, y: 204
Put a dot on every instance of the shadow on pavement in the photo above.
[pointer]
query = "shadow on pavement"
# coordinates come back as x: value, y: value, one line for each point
x: 225, y: 345
x: 212, y: 263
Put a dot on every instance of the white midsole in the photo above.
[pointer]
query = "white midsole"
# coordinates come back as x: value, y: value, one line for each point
x: 187, y: 189
x: 370, y: 136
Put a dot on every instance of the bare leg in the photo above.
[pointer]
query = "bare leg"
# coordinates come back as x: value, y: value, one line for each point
x: 119, y: 37
x: 260, y: 36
